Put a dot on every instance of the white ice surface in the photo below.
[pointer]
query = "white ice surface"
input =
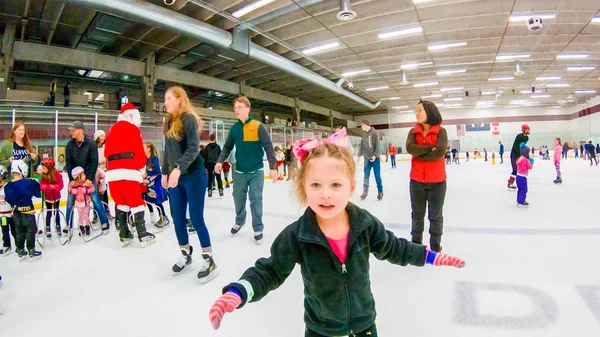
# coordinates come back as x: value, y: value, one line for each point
x: 98, y: 289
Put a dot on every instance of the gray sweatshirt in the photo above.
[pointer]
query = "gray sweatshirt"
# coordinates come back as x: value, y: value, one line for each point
x: 369, y: 145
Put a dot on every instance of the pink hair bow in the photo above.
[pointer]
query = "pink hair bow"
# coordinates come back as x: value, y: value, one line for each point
x: 303, y: 147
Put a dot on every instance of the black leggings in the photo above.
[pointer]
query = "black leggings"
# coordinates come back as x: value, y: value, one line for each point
x: 162, y: 209
x: 6, y: 230
x: 52, y: 207
x: 370, y: 332
x: 211, y: 173
x: 26, y: 229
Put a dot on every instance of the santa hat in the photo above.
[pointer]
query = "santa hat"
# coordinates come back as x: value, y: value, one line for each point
x: 131, y: 114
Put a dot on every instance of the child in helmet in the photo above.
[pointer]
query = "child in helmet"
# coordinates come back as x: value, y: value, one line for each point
x: 81, y: 188
x: 19, y: 194
x: 6, y: 220
x: 51, y: 184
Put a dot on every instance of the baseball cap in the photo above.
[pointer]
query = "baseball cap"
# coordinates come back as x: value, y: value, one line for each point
x: 76, y: 125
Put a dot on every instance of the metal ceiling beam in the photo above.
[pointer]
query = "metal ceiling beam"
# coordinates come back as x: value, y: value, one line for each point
x: 24, y: 20
x: 156, y: 15
x: 55, y: 23
x: 85, y: 22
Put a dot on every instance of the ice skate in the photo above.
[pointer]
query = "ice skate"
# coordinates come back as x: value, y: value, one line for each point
x: 5, y: 251
x: 258, y: 237
x: 221, y: 192
x: 512, y: 187
x: 208, y: 270
x: 184, y: 261
x: 87, y: 230
x: 235, y: 229
x: 125, y: 235
x: 364, y: 195
x: 379, y: 196
x: 48, y: 233
x: 21, y: 253
x: 126, y: 241
x: 523, y: 205
x: 558, y: 180
x: 190, y: 227
x: 146, y: 239
x: 34, y: 255
x: 105, y: 228
x: 210, y: 193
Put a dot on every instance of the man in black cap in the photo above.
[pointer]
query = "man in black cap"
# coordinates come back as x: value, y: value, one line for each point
x: 82, y: 151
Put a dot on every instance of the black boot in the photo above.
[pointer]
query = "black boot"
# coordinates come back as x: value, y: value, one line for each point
x: 435, y: 243
x: 140, y: 225
x: 121, y: 220
x: 210, y: 193
x: 221, y: 192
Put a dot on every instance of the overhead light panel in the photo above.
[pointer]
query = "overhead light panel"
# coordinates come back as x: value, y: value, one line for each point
x: 415, y: 65
x: 400, y: 107
x: 486, y: 103
x: 440, y: 46
x: 540, y: 96
x: 377, y: 88
x: 585, y: 91
x: 453, y: 99
x: 505, y: 78
x: 547, y: 78
x: 95, y: 74
x: 320, y: 48
x: 572, y: 56
x: 512, y: 56
x: 395, y: 33
x: 425, y: 84
x: 520, y: 17
x: 391, y: 98
x: 432, y: 96
x: 519, y: 71
x: 488, y: 93
x: 452, y: 89
x: 355, y: 72
x: 596, y: 19
x: 452, y: 106
x: 253, y: 6
x: 579, y: 68
x: 558, y: 85
x: 450, y: 72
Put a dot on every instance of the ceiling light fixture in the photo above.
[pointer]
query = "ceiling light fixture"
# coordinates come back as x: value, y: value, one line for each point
x: 432, y: 96
x: 519, y: 101
x: 425, y: 84
x: 453, y: 99
x: 355, y: 72
x: 486, y: 103
x: 558, y: 85
x: 488, y: 93
x: 585, y: 91
x: 512, y: 56
x: 540, y: 96
x: 441, y: 46
x: 578, y: 68
x: 415, y: 65
x: 400, y: 107
x: 452, y: 89
x: 520, y: 17
x: 572, y: 56
x: 450, y: 72
x: 519, y: 71
x: 254, y: 6
x: 317, y: 49
x: 391, y: 98
x: 547, y: 78
x: 505, y: 78
x: 377, y: 88
x: 596, y: 19
x: 401, y: 32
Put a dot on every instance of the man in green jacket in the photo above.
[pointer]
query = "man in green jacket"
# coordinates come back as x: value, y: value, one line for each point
x: 251, y: 141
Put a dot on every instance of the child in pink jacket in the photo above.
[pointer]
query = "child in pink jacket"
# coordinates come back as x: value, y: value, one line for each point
x: 524, y: 164
x: 81, y: 188
x: 557, y: 156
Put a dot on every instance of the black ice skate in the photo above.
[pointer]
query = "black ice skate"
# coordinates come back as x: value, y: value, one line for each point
x: 21, y: 253
x: 125, y: 235
x: 5, y: 251
x: 88, y: 230
x: 105, y: 228
x: 221, y: 192
x: 210, y: 193
x: 235, y: 229
x: 379, y: 196
x: 208, y: 270
x: 146, y: 239
x: 512, y: 187
x: 558, y: 180
x: 184, y: 261
x: 191, y: 229
x: 523, y: 205
x: 34, y: 255
x: 258, y: 237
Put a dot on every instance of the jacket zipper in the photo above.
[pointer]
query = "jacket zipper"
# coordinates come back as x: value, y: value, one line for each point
x: 344, y: 273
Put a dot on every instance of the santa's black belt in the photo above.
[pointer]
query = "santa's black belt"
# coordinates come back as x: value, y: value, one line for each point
x: 124, y: 155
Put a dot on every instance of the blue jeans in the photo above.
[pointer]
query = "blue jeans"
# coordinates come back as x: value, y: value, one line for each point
x: 393, y: 161
x: 98, y: 206
x: 376, y: 166
x: 254, y: 182
x: 190, y: 191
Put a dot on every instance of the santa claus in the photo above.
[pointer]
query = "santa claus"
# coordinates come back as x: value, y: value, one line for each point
x: 124, y: 151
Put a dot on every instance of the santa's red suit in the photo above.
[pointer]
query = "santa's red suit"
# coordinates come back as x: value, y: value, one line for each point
x: 124, y: 151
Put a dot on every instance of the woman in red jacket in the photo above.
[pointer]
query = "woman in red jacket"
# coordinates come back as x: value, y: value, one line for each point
x: 51, y: 184
x: 427, y: 143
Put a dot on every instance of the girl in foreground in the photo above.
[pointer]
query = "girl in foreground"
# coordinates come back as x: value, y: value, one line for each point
x: 331, y: 242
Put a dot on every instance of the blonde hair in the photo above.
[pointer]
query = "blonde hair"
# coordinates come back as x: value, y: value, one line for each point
x: 323, y: 151
x: 242, y: 100
x: 26, y: 141
x: 174, y: 119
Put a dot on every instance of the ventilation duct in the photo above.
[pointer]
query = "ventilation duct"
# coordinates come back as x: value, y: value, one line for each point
x: 346, y: 13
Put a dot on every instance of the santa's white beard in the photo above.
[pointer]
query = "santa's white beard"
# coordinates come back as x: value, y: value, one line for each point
x: 134, y: 119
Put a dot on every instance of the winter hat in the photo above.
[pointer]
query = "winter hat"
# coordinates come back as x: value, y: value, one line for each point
x: 525, y: 152
x: 76, y: 172
x: 98, y: 134
x: 130, y: 114
x: 19, y: 166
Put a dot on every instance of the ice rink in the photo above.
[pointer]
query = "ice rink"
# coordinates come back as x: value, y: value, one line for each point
x: 530, y: 272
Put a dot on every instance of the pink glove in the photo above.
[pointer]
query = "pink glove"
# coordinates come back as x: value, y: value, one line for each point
x: 74, y: 191
x: 52, y: 187
x: 44, y: 187
x: 441, y: 259
x: 227, y: 302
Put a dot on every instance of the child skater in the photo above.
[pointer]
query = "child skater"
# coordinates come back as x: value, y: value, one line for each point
x: 524, y: 164
x: 558, y: 149
x: 155, y: 193
x: 7, y: 223
x: 591, y: 153
x: 226, y: 169
x: 19, y: 194
x: 331, y: 242
x: 81, y: 188
x: 51, y: 184
x: 280, y: 157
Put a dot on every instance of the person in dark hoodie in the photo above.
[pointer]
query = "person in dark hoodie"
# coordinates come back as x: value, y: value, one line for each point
x: 515, y: 153
x: 369, y: 150
x: 332, y: 242
x: 592, y: 153
x: 212, y: 151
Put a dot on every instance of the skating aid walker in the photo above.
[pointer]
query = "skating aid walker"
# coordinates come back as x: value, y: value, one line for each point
x: 96, y: 228
x: 64, y: 236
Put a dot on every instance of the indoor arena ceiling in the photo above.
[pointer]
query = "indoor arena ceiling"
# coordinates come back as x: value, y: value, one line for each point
x: 446, y: 47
